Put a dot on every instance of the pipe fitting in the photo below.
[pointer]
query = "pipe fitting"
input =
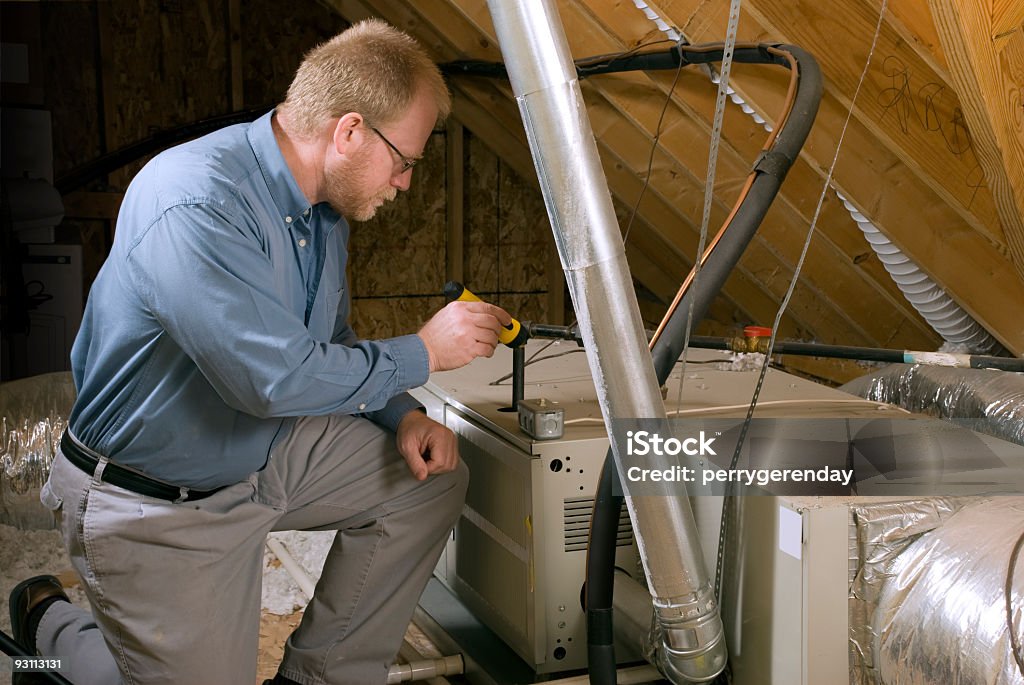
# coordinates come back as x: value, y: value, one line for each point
x: 693, y: 644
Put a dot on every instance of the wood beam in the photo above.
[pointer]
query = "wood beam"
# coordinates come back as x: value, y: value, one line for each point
x: 913, y: 21
x: 92, y: 205
x: 989, y: 100
x: 1007, y: 16
x: 959, y: 254
x: 903, y: 102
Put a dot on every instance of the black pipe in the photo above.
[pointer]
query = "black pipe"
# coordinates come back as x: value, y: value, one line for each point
x: 874, y: 354
x: 518, y: 375
x: 748, y: 217
x: 598, y: 589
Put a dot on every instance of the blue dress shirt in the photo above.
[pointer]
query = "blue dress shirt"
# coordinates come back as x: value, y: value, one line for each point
x: 221, y: 314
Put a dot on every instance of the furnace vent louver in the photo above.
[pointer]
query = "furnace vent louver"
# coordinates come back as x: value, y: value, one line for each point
x: 576, y: 524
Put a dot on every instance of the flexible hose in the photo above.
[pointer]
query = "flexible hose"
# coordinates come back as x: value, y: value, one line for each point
x: 598, y: 589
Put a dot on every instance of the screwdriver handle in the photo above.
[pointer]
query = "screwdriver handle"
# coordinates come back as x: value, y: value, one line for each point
x: 513, y: 335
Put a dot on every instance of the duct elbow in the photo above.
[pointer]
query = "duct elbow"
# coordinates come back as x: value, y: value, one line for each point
x: 692, y: 651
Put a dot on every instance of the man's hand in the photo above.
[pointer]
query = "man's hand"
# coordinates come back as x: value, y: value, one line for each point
x: 461, y: 332
x: 428, y: 447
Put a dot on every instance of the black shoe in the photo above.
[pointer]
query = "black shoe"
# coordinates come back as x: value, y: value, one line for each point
x: 280, y: 680
x: 29, y: 601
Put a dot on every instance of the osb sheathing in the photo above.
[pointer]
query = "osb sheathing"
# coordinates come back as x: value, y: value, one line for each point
x: 72, y: 90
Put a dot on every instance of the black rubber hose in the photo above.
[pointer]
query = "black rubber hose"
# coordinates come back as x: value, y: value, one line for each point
x: 727, y: 253
x: 598, y: 590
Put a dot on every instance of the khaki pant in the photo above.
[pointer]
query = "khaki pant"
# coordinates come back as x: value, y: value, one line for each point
x: 175, y: 588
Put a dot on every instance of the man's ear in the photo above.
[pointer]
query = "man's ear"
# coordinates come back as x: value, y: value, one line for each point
x: 348, y: 133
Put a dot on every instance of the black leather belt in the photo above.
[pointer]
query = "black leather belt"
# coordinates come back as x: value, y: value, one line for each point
x: 127, y: 478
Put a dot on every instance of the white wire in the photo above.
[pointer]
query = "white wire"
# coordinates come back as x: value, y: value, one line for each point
x: 767, y: 403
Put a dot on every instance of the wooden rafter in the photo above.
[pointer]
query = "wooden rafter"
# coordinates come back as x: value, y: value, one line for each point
x: 989, y: 98
x: 1007, y: 16
x: 959, y: 254
x: 903, y: 101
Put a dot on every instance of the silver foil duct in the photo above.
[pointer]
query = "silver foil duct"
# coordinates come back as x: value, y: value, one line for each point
x: 941, y: 616
x: 883, y: 530
x: 983, y: 400
x: 33, y: 414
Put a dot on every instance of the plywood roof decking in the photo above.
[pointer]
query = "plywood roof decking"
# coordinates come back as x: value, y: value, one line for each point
x: 908, y: 161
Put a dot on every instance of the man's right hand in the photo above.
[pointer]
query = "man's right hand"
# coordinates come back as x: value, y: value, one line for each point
x: 461, y: 332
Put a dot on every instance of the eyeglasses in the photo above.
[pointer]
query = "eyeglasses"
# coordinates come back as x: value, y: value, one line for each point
x: 407, y: 162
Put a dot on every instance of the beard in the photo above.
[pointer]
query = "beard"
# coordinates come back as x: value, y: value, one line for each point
x: 345, y: 190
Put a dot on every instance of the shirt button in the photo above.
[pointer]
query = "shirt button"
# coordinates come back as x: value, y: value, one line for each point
x: 302, y: 242
x: 305, y: 213
x: 287, y: 219
x: 362, y: 407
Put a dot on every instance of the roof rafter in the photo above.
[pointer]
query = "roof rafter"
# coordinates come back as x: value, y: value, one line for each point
x: 988, y: 97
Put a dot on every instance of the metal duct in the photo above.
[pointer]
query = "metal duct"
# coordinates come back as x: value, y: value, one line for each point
x: 986, y: 401
x: 33, y: 414
x: 942, y: 615
x: 586, y: 233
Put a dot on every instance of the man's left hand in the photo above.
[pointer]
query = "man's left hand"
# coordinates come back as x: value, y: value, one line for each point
x: 428, y: 447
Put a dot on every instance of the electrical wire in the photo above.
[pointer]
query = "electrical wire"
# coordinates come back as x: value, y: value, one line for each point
x: 654, y: 147
x: 1015, y: 647
x: 533, y: 360
x: 698, y: 411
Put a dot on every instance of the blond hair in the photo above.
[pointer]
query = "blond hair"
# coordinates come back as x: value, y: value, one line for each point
x: 371, y: 68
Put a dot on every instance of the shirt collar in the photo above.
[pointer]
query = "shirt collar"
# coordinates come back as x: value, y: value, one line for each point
x: 290, y: 201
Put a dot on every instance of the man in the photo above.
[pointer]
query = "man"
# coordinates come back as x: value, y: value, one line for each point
x: 222, y: 395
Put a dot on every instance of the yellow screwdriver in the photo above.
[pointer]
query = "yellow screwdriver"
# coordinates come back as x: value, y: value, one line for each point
x: 512, y: 335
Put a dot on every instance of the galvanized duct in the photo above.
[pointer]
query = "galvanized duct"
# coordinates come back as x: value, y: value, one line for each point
x: 942, y: 615
x: 986, y: 401
x: 586, y: 232
x: 33, y: 414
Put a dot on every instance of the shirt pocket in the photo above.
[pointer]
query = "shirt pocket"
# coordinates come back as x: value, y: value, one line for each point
x: 322, y: 324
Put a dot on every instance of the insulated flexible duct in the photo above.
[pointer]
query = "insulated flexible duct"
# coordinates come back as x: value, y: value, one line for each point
x: 33, y: 415
x: 951, y: 607
x: 985, y: 401
x: 943, y: 314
